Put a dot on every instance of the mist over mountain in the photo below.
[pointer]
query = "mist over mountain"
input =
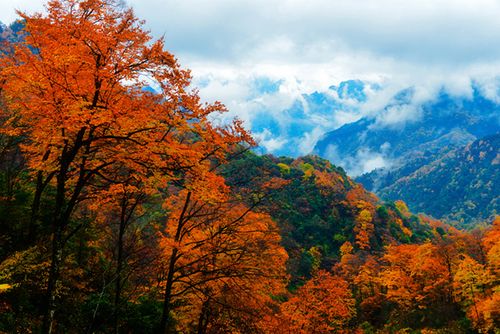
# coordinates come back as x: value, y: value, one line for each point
x: 404, y: 130
x: 292, y: 127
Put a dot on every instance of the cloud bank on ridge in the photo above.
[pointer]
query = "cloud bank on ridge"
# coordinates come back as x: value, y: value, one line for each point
x: 272, y: 62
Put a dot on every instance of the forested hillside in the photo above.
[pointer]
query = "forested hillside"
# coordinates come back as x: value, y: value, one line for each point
x: 319, y: 208
x: 462, y: 185
x: 129, y: 211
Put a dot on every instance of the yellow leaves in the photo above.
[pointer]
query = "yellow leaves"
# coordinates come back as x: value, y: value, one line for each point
x: 346, y: 248
x: 364, y: 229
x: 22, y: 266
x: 5, y: 287
x: 476, y: 287
x: 308, y: 170
x: 364, y: 217
x: 284, y: 168
x: 316, y: 256
x: 402, y: 208
x: 470, y: 280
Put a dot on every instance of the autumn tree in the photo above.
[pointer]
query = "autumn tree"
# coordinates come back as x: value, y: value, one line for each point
x: 219, y: 252
x: 324, y: 304
x: 349, y: 263
x: 364, y: 228
x: 416, y: 278
x: 491, y: 242
x: 362, y: 204
x: 76, y: 92
x: 471, y: 282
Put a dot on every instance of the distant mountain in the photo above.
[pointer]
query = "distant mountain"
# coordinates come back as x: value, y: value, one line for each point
x: 462, y: 185
x: 408, y: 131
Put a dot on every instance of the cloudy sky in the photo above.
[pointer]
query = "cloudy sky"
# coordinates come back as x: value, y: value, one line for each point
x: 261, y: 57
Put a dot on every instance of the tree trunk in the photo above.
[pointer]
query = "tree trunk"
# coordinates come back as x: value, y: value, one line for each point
x: 56, y: 258
x: 57, y: 243
x: 119, y: 267
x: 203, y: 318
x: 50, y: 301
x: 35, y: 206
x: 165, y: 319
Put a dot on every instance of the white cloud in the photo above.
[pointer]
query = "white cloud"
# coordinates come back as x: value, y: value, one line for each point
x: 397, y: 116
x: 331, y: 153
x: 269, y: 142
x: 307, y: 142
x: 362, y: 161
x: 491, y: 89
x: 8, y: 8
x: 309, y: 45
x: 372, y: 162
x: 424, y: 31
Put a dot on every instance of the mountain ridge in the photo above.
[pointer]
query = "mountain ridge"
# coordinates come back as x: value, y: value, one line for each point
x: 461, y: 185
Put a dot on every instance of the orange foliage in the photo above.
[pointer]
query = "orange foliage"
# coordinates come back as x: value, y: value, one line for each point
x: 366, y: 280
x: 328, y: 182
x: 364, y: 229
x: 367, y: 287
x: 364, y: 204
x: 358, y: 194
x: 486, y: 314
x: 75, y: 89
x: 415, y: 275
x: 220, y: 254
x: 80, y: 100
x: 492, y: 235
x: 324, y: 304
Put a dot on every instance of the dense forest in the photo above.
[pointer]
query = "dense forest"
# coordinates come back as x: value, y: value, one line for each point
x: 130, y: 210
x: 461, y: 186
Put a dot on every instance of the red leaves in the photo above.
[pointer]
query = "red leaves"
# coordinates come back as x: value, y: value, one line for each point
x: 322, y: 305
